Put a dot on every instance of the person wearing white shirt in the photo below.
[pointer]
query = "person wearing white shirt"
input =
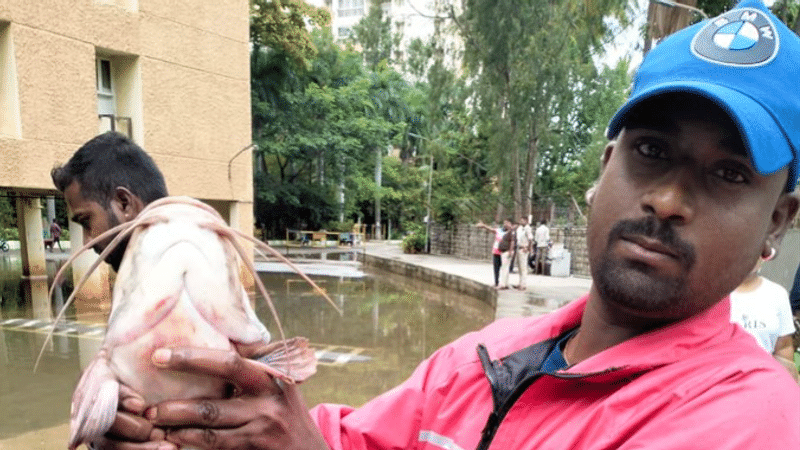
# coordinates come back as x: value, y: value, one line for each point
x: 542, y: 238
x: 762, y: 308
x: 524, y: 248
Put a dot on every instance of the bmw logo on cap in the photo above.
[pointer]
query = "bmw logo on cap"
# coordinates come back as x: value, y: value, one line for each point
x: 743, y: 37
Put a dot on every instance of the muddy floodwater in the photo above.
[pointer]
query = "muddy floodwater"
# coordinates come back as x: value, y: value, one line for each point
x: 389, y: 325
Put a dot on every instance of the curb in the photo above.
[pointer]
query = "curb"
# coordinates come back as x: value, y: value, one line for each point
x: 456, y: 283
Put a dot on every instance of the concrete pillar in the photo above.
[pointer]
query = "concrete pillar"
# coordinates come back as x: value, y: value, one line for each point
x: 29, y: 223
x: 34, y: 264
x: 51, y: 212
x: 93, y: 301
x: 240, y: 217
x: 233, y: 215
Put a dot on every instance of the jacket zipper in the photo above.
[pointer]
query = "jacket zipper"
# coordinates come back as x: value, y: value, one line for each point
x: 497, y: 416
x: 499, y: 412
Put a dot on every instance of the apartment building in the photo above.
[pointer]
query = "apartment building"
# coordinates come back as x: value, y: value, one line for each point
x: 410, y: 19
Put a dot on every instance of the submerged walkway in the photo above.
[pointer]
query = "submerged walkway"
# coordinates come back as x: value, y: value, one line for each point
x: 543, y: 293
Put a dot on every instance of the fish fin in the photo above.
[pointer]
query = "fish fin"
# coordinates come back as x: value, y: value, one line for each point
x: 291, y: 360
x: 94, y: 403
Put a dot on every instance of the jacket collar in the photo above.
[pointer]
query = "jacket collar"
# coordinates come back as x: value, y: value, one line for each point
x: 655, y: 348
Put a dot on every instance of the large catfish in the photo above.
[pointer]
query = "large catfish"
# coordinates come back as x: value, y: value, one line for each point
x: 179, y: 284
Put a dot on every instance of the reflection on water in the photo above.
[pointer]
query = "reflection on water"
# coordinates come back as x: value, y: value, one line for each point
x: 395, y: 322
x: 389, y: 325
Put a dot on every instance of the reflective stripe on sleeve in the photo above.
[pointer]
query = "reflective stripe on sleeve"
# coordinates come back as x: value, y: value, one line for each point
x: 438, y: 440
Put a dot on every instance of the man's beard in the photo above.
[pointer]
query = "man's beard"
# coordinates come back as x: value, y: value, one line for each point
x: 114, y: 258
x: 635, y: 285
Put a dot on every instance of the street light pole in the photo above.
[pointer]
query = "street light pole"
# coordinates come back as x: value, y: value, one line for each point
x: 430, y: 189
x: 428, y: 222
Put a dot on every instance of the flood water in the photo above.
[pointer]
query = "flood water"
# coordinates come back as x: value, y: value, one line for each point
x: 389, y: 325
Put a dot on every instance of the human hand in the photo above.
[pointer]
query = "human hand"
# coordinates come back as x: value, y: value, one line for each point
x: 131, y: 431
x: 261, y: 414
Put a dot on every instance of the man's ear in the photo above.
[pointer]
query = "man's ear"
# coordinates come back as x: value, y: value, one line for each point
x: 125, y: 204
x: 607, y: 155
x: 782, y: 216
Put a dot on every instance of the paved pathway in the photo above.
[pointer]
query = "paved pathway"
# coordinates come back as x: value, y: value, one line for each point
x: 544, y: 293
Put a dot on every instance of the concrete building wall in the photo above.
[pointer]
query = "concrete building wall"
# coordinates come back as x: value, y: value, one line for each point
x: 182, y: 74
x: 179, y: 86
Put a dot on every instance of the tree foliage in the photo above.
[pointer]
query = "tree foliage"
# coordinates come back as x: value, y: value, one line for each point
x: 374, y: 35
x: 525, y: 114
x: 317, y: 129
x: 531, y: 64
x: 281, y: 25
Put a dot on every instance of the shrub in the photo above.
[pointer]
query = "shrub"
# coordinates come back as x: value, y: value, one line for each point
x: 9, y: 234
x: 414, y: 243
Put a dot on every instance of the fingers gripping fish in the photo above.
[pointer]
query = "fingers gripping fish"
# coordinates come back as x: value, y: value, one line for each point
x: 178, y: 284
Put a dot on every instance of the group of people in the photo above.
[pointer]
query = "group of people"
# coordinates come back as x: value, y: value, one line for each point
x: 697, y: 184
x: 518, y: 243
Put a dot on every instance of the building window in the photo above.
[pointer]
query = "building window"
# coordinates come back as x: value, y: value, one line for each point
x: 345, y: 32
x: 119, y: 102
x: 350, y: 8
x: 105, y: 88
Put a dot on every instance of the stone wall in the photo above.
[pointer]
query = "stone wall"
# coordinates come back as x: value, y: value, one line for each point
x: 470, y: 242
x: 574, y: 240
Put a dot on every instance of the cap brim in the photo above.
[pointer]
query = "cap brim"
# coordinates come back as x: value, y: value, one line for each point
x: 764, y: 139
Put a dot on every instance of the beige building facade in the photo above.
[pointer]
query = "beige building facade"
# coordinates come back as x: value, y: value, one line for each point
x: 172, y: 75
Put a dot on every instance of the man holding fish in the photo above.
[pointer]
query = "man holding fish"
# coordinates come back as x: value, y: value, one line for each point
x: 697, y: 183
x: 108, y: 181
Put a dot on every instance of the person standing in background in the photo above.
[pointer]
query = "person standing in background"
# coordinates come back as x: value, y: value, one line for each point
x: 507, y: 245
x: 762, y: 308
x: 55, y: 233
x: 524, y: 247
x: 542, y: 238
x: 497, y: 255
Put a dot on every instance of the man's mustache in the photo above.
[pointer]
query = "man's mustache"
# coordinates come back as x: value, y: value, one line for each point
x: 653, y: 228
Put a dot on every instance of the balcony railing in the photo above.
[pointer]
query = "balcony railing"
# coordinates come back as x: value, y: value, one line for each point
x: 111, y: 122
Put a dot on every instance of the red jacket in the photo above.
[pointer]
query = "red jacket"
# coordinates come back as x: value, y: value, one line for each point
x: 702, y: 383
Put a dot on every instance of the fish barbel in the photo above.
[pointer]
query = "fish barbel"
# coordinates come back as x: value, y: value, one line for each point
x: 178, y: 285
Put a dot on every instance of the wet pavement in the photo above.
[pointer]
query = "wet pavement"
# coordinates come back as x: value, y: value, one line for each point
x: 542, y: 295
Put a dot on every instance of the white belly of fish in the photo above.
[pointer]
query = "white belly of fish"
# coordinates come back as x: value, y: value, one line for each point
x: 179, y: 286
x: 182, y: 327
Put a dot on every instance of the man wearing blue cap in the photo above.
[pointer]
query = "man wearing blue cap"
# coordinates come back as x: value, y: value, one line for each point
x: 697, y: 184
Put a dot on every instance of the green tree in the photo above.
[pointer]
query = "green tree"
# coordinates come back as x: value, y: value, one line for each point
x: 373, y: 33
x: 281, y: 25
x: 317, y: 126
x: 529, y: 62
x: 572, y: 163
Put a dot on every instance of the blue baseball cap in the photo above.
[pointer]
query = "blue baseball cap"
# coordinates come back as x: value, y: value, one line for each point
x: 746, y: 61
